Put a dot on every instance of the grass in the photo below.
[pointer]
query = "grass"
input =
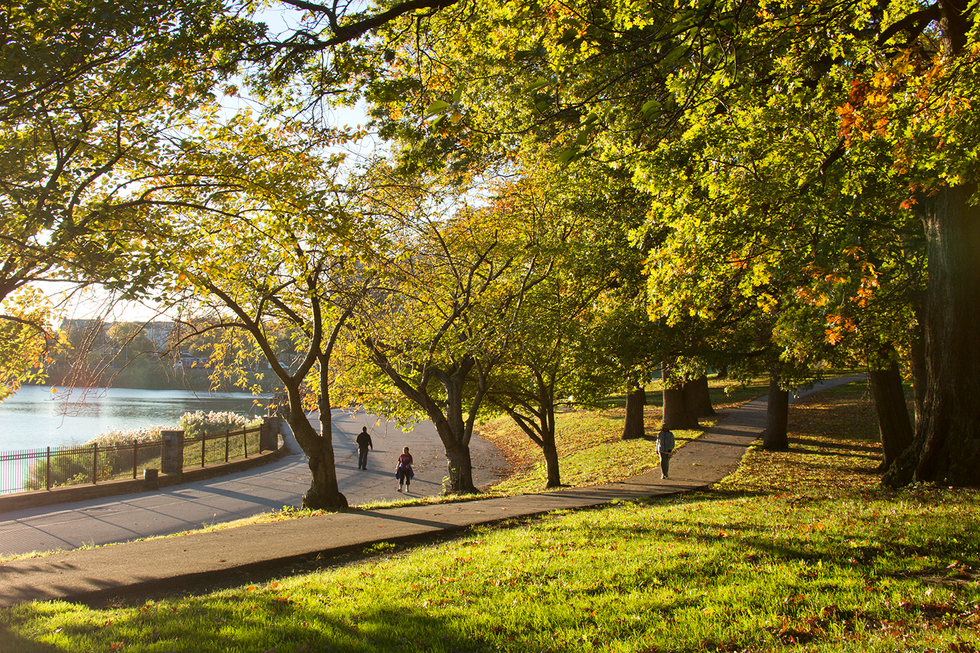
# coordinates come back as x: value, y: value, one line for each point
x: 723, y: 392
x: 588, y: 442
x: 801, y: 550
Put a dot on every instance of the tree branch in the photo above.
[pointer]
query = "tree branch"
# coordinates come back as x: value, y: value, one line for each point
x: 349, y: 32
x: 914, y: 24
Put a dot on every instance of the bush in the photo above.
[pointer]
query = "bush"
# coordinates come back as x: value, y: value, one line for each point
x: 114, y: 437
x: 196, y: 425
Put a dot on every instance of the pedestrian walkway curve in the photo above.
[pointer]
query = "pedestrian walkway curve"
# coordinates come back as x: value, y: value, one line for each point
x: 272, y: 486
x: 168, y: 563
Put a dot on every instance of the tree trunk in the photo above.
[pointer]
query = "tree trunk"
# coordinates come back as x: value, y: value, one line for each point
x: 947, y: 441
x: 551, y: 462
x: 460, y: 470
x: 675, y: 411
x: 636, y: 399
x: 454, y: 430
x: 722, y: 372
x: 676, y: 415
x: 697, y: 400
x: 776, y: 436
x: 920, y: 372
x: 894, y: 426
x: 324, y: 493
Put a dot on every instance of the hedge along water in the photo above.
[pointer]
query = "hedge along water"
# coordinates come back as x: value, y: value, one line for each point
x: 34, y: 417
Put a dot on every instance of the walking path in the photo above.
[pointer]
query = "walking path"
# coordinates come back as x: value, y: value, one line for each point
x: 178, y: 562
x: 191, y: 506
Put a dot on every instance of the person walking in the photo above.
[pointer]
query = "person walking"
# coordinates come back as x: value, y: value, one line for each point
x: 363, y: 442
x: 404, y: 472
x: 665, y: 446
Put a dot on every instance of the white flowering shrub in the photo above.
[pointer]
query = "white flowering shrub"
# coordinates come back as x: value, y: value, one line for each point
x: 200, y: 424
x: 115, y: 436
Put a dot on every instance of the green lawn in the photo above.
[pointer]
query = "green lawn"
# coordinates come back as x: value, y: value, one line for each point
x: 797, y: 551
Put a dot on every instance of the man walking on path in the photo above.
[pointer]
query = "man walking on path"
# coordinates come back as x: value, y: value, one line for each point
x: 665, y: 445
x: 363, y: 442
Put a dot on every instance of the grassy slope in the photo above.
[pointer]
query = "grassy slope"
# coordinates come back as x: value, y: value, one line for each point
x: 589, y: 442
x: 797, y: 551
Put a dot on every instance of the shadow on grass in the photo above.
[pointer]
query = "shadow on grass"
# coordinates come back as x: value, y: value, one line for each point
x: 264, y: 620
x: 834, y: 447
x: 17, y: 644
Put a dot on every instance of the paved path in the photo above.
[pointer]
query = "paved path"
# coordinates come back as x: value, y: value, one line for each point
x: 234, y: 496
x: 168, y: 563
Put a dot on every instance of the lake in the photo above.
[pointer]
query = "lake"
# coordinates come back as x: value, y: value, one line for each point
x: 34, y: 417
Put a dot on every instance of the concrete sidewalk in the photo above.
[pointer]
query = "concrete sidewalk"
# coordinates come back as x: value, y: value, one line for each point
x: 169, y: 563
x: 272, y: 486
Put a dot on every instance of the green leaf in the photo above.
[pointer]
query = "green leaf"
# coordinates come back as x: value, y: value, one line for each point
x: 649, y: 107
x: 568, y: 36
x: 537, y: 83
x: 674, y: 54
x: 436, y: 107
x: 568, y: 155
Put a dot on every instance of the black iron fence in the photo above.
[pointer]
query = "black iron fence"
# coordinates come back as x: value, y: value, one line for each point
x: 44, y: 469
x: 228, y: 446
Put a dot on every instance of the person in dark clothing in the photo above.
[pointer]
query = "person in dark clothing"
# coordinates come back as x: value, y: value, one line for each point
x: 363, y: 442
x: 665, y: 446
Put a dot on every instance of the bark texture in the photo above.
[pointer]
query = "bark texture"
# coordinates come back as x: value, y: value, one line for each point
x: 460, y: 469
x: 947, y: 441
x: 324, y: 493
x: 697, y: 400
x: 776, y: 437
x: 550, y: 452
x: 676, y: 414
x: 675, y: 410
x: 636, y: 400
x: 894, y: 426
x: 920, y: 371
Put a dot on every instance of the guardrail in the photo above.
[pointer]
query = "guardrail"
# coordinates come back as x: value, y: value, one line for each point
x: 49, y: 468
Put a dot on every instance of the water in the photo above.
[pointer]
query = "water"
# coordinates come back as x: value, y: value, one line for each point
x: 34, y: 417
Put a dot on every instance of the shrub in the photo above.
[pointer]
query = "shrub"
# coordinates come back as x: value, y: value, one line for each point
x: 114, y: 436
x: 200, y: 424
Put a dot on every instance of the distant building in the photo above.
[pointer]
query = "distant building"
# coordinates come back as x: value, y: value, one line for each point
x: 94, y: 333
x: 159, y: 333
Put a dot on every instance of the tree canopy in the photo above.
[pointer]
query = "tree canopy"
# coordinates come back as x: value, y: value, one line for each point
x: 779, y: 184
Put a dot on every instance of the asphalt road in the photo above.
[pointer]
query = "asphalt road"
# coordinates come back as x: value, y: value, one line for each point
x: 262, y: 489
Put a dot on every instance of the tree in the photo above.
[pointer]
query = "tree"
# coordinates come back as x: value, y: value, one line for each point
x: 444, y: 323
x: 615, y: 82
x: 87, y: 89
x: 23, y: 345
x: 540, y: 369
x: 264, y: 235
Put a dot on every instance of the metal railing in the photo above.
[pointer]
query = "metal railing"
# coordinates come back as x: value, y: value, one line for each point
x: 44, y: 469
x: 224, y: 447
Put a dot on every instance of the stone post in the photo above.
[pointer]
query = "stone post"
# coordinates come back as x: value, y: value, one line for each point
x: 172, y: 460
x: 269, y: 438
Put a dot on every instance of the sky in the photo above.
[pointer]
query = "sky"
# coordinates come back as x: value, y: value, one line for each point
x: 96, y: 303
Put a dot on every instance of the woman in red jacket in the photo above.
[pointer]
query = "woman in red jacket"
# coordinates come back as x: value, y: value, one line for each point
x: 404, y: 472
